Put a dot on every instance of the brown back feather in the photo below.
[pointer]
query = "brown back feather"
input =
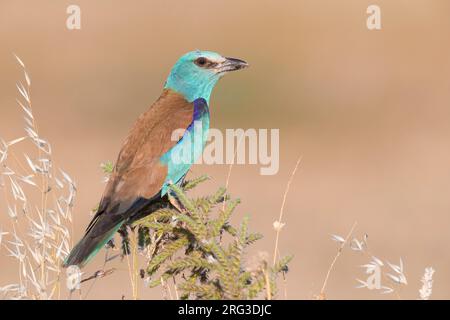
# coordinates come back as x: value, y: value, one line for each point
x: 138, y: 172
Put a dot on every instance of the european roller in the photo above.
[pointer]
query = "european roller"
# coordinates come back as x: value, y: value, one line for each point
x: 146, y: 164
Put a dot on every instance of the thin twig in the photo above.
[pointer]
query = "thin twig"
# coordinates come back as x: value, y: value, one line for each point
x: 282, y: 209
x: 230, y: 168
x: 322, y: 291
x: 99, y: 274
x: 130, y: 271
x: 268, y: 289
x: 285, y: 286
x: 166, y: 289
x: 175, y: 288
x: 135, y: 267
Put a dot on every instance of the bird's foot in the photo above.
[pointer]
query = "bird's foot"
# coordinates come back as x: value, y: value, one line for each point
x: 175, y: 203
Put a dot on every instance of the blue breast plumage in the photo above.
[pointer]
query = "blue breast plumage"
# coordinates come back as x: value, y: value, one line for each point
x: 189, y: 148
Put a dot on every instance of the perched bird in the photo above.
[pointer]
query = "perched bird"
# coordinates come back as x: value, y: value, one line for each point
x: 147, y: 164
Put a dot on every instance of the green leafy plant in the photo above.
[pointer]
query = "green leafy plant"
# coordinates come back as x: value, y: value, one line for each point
x: 188, y: 245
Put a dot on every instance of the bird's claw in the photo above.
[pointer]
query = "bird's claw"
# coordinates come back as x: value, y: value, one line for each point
x: 175, y: 203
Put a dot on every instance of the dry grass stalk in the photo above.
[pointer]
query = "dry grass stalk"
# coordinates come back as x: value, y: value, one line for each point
x: 427, y: 284
x: 278, y: 225
x: 230, y: 168
x: 39, y: 201
x: 336, y: 257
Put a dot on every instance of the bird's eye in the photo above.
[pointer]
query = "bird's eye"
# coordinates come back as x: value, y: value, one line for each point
x: 201, y: 62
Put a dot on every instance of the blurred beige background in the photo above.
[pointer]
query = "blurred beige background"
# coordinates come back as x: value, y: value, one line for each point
x: 368, y: 110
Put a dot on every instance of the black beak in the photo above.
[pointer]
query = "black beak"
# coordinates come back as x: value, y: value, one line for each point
x: 232, y: 64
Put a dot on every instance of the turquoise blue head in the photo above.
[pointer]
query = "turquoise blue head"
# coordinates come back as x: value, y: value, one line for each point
x: 196, y: 73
